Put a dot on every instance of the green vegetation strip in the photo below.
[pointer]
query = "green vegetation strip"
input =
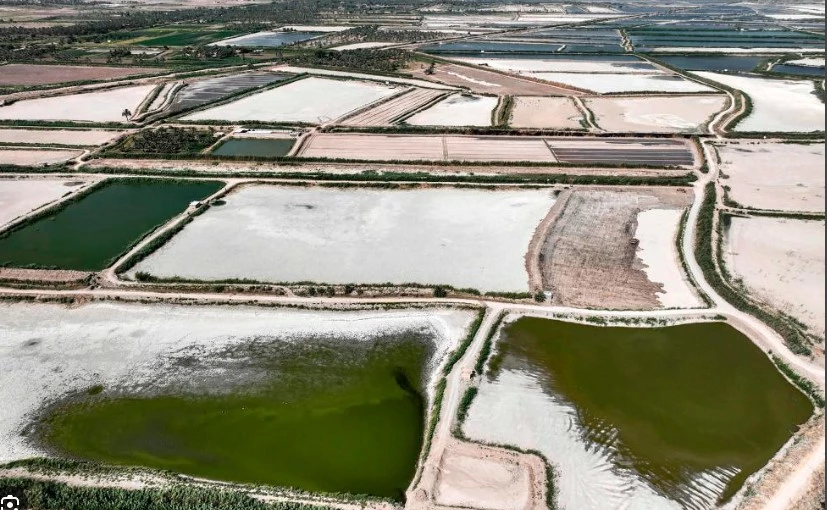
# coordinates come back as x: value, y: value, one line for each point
x: 805, y: 385
x: 49, y: 495
x: 396, y: 177
x: 705, y: 255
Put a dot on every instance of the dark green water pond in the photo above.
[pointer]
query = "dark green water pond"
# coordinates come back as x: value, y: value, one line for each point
x: 320, y: 414
x: 270, y: 147
x: 683, y: 400
x: 90, y: 233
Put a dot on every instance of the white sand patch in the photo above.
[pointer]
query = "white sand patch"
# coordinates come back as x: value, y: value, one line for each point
x: 656, y: 232
x: 472, y: 80
x: 777, y: 105
x: 600, y: 10
x: 59, y: 136
x: 457, y: 110
x: 789, y: 16
x: 463, y: 238
x: 561, y: 65
x: 29, y: 157
x: 362, y: 76
x: 807, y: 62
x: 473, y: 481
x: 103, y: 106
x: 782, y: 261
x: 50, y: 350
x: 545, y: 112
x: 312, y: 100
x: 19, y: 196
x: 607, y: 82
x: 514, y: 410
x: 362, y: 46
x: 654, y: 114
x: 777, y: 176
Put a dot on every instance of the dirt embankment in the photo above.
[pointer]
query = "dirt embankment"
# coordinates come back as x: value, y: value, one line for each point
x: 787, y: 482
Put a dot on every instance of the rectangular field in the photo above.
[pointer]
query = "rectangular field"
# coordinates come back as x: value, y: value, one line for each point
x: 782, y: 261
x: 661, y: 152
x: 103, y: 106
x: 615, y: 248
x: 456, y: 110
x: 545, y: 113
x: 374, y: 147
x: 78, y: 137
x: 683, y: 114
x: 463, y: 238
x: 24, y: 156
x: 89, y: 233
x: 387, y: 112
x: 777, y: 105
x: 31, y: 74
x: 311, y: 100
x: 204, y: 91
x: 776, y: 176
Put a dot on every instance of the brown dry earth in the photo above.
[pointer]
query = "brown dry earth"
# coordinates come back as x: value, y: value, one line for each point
x: 486, y: 82
x: 42, y: 275
x: 588, y: 257
x: 545, y: 112
x: 31, y: 74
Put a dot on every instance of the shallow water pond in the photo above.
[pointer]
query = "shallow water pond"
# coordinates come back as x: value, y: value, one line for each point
x: 89, y: 233
x: 711, y: 63
x: 682, y: 414
x: 259, y: 147
x: 319, y: 414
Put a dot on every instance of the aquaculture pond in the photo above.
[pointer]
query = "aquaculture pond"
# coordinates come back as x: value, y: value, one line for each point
x: 89, y: 233
x: 259, y: 147
x: 799, y: 70
x: 711, y: 63
x: 318, y: 413
x: 680, y: 414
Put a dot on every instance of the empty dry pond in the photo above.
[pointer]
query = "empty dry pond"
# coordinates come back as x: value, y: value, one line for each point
x: 615, y: 248
x: 432, y: 236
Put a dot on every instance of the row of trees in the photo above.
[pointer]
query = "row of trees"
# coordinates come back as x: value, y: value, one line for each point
x: 169, y: 140
x: 377, y: 60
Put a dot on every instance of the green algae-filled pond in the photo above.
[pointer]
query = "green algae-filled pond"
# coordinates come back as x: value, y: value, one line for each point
x: 693, y: 410
x: 88, y: 234
x: 329, y: 415
x: 256, y: 147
